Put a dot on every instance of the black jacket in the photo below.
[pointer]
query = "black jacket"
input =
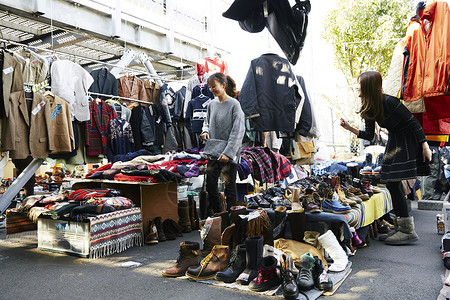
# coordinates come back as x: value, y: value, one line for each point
x: 104, y: 83
x: 269, y: 95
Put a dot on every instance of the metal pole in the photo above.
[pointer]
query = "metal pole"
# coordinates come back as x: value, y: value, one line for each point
x: 124, y: 61
x: 148, y: 65
x: 16, y: 186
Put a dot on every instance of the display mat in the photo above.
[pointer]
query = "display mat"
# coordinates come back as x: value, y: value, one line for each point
x: 337, y: 278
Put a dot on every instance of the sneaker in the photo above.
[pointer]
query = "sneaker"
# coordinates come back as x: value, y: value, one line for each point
x: 305, y: 280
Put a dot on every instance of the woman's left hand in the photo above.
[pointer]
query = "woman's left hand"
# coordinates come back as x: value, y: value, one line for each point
x: 426, y: 152
x: 223, y: 158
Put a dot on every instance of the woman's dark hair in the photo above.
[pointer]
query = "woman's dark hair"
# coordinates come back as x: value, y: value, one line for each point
x: 230, y: 85
x: 371, y: 94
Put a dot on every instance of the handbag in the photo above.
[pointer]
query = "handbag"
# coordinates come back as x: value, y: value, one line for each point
x: 214, y: 148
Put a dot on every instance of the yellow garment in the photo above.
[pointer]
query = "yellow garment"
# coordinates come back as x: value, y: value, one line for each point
x: 377, y: 206
x: 437, y: 138
x: 297, y: 249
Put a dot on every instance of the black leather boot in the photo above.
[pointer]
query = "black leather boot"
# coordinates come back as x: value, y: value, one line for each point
x: 254, y: 248
x: 288, y: 284
x: 183, y: 216
x: 267, y: 277
x: 297, y: 221
x: 236, y: 266
x: 320, y: 276
x: 159, y: 228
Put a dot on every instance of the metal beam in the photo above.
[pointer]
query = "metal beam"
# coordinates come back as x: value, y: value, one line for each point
x: 16, y: 186
x: 151, y: 36
x: 20, y: 27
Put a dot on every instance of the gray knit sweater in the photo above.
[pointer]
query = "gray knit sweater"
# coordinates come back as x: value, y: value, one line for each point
x: 225, y: 121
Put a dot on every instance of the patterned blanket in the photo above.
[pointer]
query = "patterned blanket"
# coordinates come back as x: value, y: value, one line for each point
x: 377, y: 206
x: 115, y: 232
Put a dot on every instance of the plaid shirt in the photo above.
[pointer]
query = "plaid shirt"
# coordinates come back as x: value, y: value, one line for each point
x: 260, y: 162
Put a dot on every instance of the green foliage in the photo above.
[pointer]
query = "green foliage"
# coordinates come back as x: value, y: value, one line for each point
x: 364, y: 33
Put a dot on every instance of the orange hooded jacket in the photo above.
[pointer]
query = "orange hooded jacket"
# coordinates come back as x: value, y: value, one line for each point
x: 429, y: 48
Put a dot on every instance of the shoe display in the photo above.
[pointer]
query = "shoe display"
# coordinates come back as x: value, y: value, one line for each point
x: 254, y: 249
x: 216, y: 261
x: 288, y: 283
x: 267, y: 277
x: 331, y: 245
x: 262, y: 202
x: 183, y: 216
x: 333, y: 205
x: 159, y: 228
x: 236, y: 265
x: 367, y: 165
x: 305, y: 280
x: 321, y: 279
x: 366, y: 186
x: 309, y: 204
x: 152, y: 237
x: 250, y: 201
x: 188, y: 257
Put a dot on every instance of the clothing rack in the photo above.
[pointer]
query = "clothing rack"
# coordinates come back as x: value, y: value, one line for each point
x: 152, y: 76
x: 114, y: 97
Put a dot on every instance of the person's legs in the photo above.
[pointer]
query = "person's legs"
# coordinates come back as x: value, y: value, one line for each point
x: 213, y: 169
x: 398, y: 199
x: 229, y: 176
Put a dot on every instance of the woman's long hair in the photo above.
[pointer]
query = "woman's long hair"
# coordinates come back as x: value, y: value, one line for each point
x: 230, y: 85
x: 371, y: 94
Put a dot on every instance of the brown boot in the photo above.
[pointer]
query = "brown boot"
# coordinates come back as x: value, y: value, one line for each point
x: 211, y: 234
x: 188, y: 258
x: 227, y: 235
x: 193, y: 213
x: 216, y: 261
x: 152, y: 237
x: 183, y: 216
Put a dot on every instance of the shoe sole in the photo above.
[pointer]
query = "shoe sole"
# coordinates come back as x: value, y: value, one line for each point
x: 397, y: 243
x: 172, y: 276
x: 290, y: 297
x: 210, y: 277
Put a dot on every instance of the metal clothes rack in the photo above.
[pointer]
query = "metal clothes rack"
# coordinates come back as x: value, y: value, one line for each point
x: 120, y: 65
x: 114, y: 97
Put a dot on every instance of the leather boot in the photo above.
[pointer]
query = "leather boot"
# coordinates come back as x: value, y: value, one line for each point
x: 152, y: 237
x: 305, y: 279
x: 321, y: 279
x: 211, y: 235
x: 267, y: 277
x: 240, y: 231
x: 225, y: 216
x: 171, y: 229
x: 188, y: 257
x: 311, y: 237
x: 193, y: 214
x: 254, y: 248
x: 217, y: 260
x: 297, y: 221
x: 183, y: 216
x: 405, y: 233
x: 366, y: 184
x: 331, y: 245
x: 227, y: 236
x: 203, y: 199
x: 279, y: 225
x: 235, y: 267
x: 288, y: 284
x: 159, y: 228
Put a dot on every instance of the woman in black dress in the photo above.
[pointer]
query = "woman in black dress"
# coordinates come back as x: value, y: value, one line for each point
x: 407, y: 153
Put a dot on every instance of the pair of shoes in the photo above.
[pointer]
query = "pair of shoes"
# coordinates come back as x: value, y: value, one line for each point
x: 309, y: 204
x: 217, y: 260
x: 167, y: 230
x: 256, y: 200
x: 333, y: 205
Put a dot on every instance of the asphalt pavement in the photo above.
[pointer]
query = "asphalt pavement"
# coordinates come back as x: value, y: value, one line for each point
x: 378, y: 271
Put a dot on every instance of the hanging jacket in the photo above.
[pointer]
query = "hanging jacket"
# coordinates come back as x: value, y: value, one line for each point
x: 120, y: 138
x: 428, y: 72
x: 104, y: 83
x: 269, y: 94
x: 97, y: 127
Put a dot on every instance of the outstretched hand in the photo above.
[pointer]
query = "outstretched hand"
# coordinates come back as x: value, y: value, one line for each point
x: 426, y: 152
x: 344, y: 124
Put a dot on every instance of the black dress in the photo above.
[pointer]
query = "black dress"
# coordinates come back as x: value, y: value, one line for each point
x: 403, y: 157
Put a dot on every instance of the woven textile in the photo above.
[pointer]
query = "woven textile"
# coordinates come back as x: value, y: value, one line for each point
x: 115, y: 232
x: 377, y: 206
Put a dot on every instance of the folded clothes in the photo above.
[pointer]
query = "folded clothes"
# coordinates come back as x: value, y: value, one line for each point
x: 117, y: 202
x: 102, y: 168
x: 123, y: 177
x: 83, y: 194
x: 82, y: 211
x: 131, y: 155
x: 160, y: 175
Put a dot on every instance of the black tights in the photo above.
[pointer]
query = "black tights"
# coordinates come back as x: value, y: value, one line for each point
x: 398, y: 199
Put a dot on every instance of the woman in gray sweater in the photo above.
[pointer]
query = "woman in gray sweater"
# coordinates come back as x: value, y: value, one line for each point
x: 224, y: 122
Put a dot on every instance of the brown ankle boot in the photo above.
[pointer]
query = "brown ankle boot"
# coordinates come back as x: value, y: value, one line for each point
x: 152, y: 237
x: 216, y: 261
x: 188, y: 258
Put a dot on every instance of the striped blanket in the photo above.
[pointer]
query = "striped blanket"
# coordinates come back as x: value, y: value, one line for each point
x: 115, y: 232
x: 377, y: 206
